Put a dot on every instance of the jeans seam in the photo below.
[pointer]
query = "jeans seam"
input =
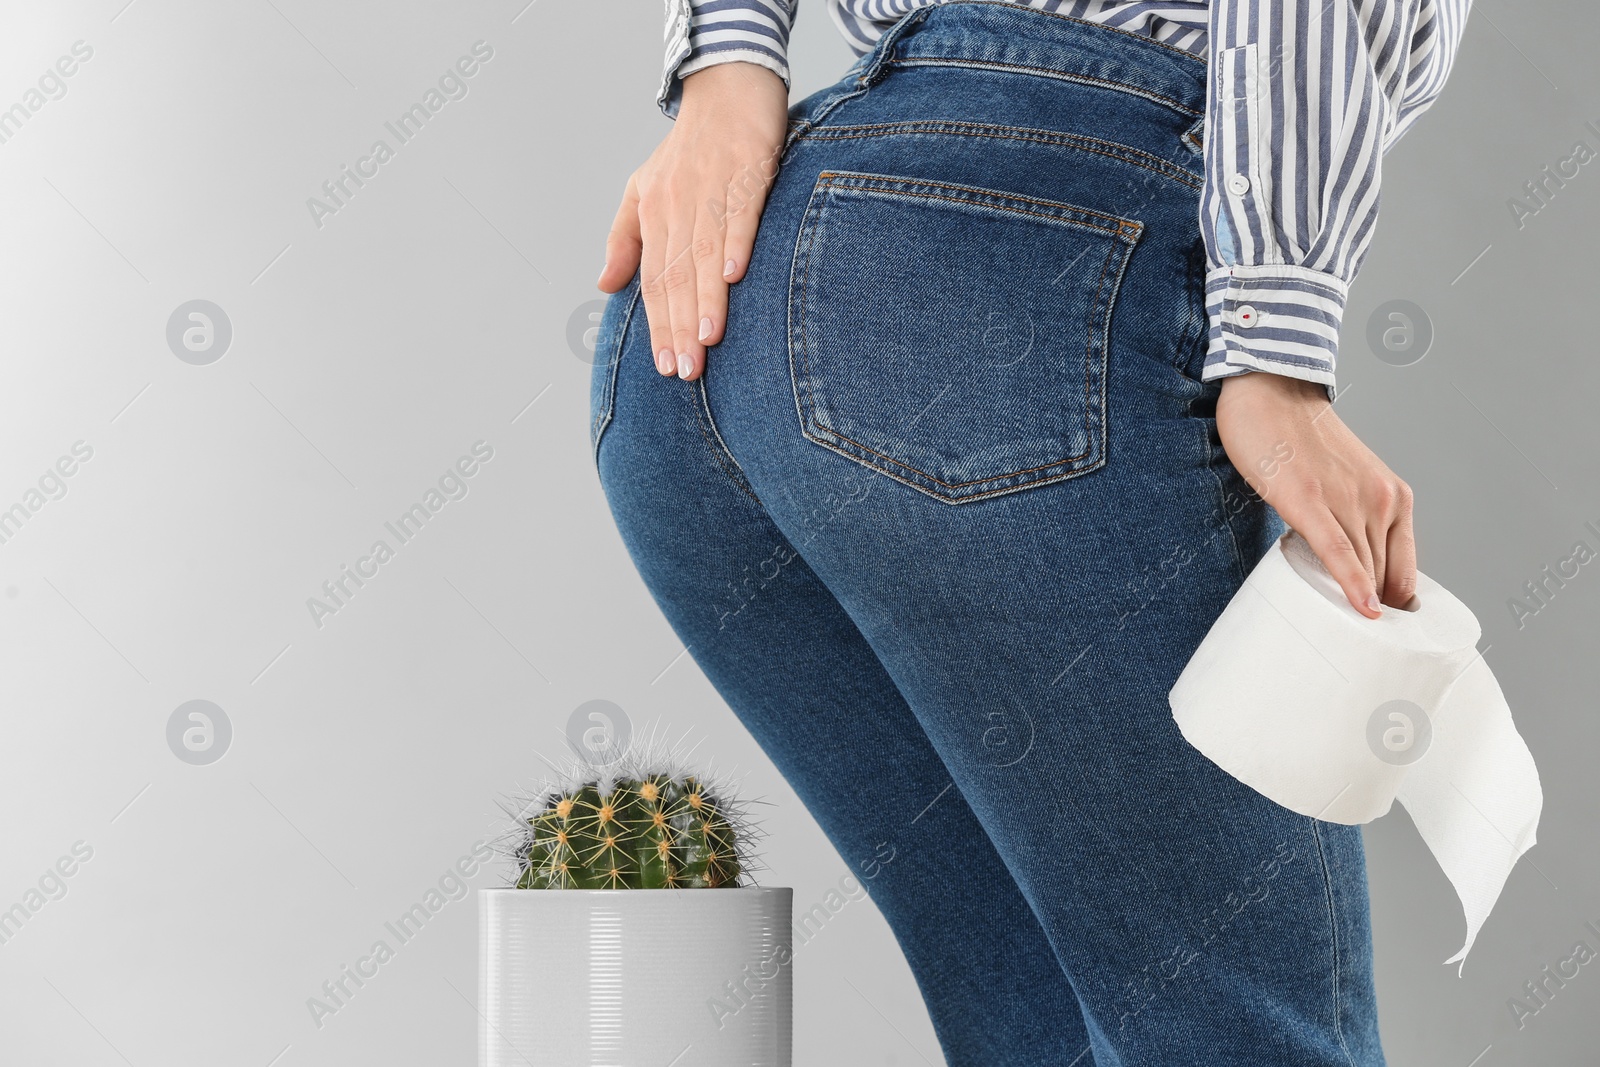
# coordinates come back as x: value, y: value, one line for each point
x: 1123, y: 227
x: 1222, y: 500
x: 870, y: 68
x: 1050, y: 72
x: 1194, y: 336
x: 602, y: 418
x: 1017, y: 133
x: 1333, y: 931
x: 814, y: 117
x: 714, y: 442
x: 1050, y: 479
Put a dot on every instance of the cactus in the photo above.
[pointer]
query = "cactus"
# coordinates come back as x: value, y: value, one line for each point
x: 652, y: 831
x: 636, y: 816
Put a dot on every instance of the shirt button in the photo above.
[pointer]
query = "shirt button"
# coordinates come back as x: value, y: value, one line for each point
x: 1246, y: 315
x: 1238, y: 185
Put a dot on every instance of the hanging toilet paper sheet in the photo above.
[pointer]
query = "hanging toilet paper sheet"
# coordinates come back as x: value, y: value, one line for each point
x: 1335, y: 715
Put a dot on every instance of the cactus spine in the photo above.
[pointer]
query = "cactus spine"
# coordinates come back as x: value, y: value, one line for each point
x: 651, y: 831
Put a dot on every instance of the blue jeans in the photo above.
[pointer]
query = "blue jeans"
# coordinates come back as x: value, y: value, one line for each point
x: 943, y: 520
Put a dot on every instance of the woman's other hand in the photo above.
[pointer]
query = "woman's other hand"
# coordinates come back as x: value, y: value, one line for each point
x: 1284, y: 437
x: 688, y: 217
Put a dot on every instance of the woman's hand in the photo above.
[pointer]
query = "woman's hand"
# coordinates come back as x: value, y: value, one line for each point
x: 1285, y: 439
x: 688, y: 217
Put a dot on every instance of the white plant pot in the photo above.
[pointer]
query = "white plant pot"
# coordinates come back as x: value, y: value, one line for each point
x: 635, y: 977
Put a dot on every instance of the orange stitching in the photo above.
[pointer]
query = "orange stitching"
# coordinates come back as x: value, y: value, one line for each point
x: 849, y: 180
x: 813, y: 222
x: 1062, y: 75
x: 971, y: 496
x: 967, y: 129
x: 1088, y: 348
x: 958, y: 485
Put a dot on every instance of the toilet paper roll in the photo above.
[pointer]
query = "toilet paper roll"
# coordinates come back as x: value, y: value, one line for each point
x: 1335, y: 715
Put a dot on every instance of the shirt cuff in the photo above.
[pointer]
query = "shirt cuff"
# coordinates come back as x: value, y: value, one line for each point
x: 676, y: 34
x: 1273, y: 317
x: 763, y: 50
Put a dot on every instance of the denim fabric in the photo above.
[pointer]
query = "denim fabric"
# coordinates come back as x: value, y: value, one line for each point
x: 942, y: 522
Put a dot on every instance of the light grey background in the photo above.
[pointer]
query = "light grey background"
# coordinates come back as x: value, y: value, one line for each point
x: 433, y: 311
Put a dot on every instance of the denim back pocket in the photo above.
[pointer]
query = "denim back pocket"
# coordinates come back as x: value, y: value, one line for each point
x: 954, y: 337
x: 609, y: 334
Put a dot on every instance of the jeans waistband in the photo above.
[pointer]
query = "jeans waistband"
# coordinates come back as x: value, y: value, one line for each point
x: 1010, y: 36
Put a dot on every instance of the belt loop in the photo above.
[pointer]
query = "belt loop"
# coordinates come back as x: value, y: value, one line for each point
x: 883, y: 51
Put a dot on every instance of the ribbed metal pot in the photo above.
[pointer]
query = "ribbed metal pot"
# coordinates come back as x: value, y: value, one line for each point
x: 635, y: 977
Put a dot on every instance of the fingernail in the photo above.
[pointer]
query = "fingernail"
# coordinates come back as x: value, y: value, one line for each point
x: 728, y: 268
x: 1373, y: 603
x: 664, y: 361
x: 684, y: 366
x: 705, y: 327
x: 600, y: 277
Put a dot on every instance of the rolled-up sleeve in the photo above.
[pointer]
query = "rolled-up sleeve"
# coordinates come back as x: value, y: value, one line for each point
x: 1304, y: 99
x: 701, y: 33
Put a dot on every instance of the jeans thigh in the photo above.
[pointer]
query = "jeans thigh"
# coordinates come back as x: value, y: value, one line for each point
x: 1002, y: 331
x: 798, y: 674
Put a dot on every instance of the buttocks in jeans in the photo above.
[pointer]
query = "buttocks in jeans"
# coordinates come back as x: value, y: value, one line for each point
x: 942, y: 522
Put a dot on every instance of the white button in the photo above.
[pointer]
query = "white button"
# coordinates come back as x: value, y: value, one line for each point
x: 1246, y: 315
x: 1238, y: 185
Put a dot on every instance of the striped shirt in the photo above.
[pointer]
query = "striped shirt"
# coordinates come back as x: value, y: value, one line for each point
x: 1303, y: 99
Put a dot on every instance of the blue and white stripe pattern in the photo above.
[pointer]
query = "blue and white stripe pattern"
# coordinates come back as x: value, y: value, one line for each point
x: 1304, y: 98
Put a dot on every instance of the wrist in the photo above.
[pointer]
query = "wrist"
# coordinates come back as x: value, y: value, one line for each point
x: 1279, y: 388
x: 734, y: 83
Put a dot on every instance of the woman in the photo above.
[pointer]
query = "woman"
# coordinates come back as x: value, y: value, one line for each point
x: 943, y: 471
